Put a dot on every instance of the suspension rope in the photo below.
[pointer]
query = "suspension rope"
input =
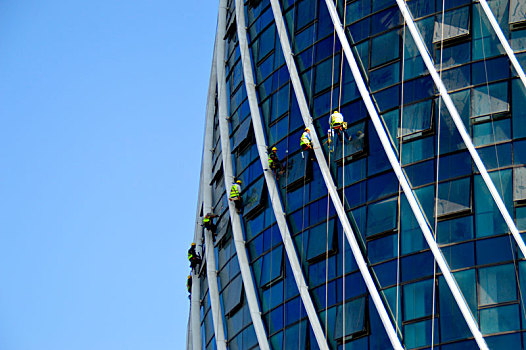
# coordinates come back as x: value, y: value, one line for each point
x: 399, y: 204
x: 515, y: 262
x: 433, y: 306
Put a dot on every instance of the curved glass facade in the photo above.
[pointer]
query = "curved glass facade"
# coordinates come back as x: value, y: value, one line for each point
x: 472, y: 235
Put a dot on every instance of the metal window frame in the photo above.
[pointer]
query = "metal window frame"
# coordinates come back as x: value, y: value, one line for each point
x: 504, y: 42
x: 239, y: 242
x: 279, y: 213
x: 329, y: 182
x: 393, y: 159
x: 458, y: 121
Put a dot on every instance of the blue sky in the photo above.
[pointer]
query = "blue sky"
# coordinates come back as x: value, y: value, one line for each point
x: 102, y: 108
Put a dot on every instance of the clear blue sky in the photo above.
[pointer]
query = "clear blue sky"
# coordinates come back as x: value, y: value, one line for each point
x: 102, y: 108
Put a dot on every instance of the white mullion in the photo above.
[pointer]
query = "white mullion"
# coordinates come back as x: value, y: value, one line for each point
x: 329, y: 182
x: 239, y: 243
x: 384, y: 139
x: 275, y: 199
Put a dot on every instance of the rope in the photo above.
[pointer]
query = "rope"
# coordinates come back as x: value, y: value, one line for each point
x: 437, y: 175
x: 399, y: 204
x: 515, y: 263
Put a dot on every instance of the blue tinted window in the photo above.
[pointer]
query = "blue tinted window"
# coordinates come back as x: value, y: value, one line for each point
x: 416, y: 118
x: 384, y: 77
x: 381, y: 186
x: 455, y: 230
x: 497, y: 284
x: 456, y: 24
x: 382, y: 249
x: 459, y: 256
x: 418, y: 299
x: 491, y: 132
x: 489, y: 99
x: 354, y: 316
x: 320, y: 237
x: 488, y: 219
x: 494, y: 250
x: 417, y: 266
x: 496, y: 156
x: 518, y: 108
x: 381, y: 216
x: 385, y: 48
x: 419, y: 334
x: 519, y: 184
x: 499, y: 319
x: 454, y: 197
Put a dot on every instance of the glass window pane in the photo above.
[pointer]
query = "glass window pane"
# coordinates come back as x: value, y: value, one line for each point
x: 455, y: 230
x: 519, y: 184
x: 499, y: 319
x: 232, y: 296
x: 497, y: 284
x: 382, y: 249
x: 385, y: 48
x: 456, y: 24
x: 494, y: 250
x: 517, y: 11
x: 489, y: 99
x: 354, y: 318
x: 418, y: 299
x: 491, y: 132
x: 488, y: 219
x: 417, y: 118
x: 241, y: 134
x: 253, y: 197
x: 419, y: 334
x: 317, y: 240
x: 381, y: 216
x: 454, y: 197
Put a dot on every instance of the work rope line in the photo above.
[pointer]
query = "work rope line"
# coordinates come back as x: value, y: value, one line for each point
x: 328, y: 194
x: 399, y: 204
x: 343, y: 174
x: 515, y: 262
x: 433, y: 306
x: 306, y: 159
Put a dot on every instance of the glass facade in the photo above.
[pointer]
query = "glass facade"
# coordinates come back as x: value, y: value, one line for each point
x: 469, y: 228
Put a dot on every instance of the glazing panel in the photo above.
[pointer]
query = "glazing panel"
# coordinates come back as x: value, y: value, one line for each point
x: 500, y: 319
x: 382, y: 249
x: 385, y: 48
x: 354, y: 318
x: 454, y: 197
x: 494, y: 250
x: 489, y: 99
x: 497, y: 284
x: 519, y: 184
x: 517, y: 11
x: 416, y: 118
x: 419, y: 334
x: 488, y: 219
x: 320, y: 237
x: 491, y: 132
x: 456, y: 24
x: 455, y: 230
x: 381, y: 216
x: 418, y: 299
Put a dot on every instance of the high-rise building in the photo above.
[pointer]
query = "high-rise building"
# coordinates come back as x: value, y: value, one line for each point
x: 404, y: 231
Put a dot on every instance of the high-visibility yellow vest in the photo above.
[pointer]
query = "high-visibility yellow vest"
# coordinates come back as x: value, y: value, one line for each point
x: 206, y: 220
x: 234, y: 191
x: 336, y: 119
x: 305, y: 139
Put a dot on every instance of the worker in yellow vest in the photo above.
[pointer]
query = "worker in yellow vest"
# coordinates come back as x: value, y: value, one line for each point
x: 235, y: 195
x: 337, y: 124
x: 193, y: 257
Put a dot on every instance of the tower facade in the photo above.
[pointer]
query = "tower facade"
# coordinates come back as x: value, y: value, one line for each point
x: 401, y: 231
